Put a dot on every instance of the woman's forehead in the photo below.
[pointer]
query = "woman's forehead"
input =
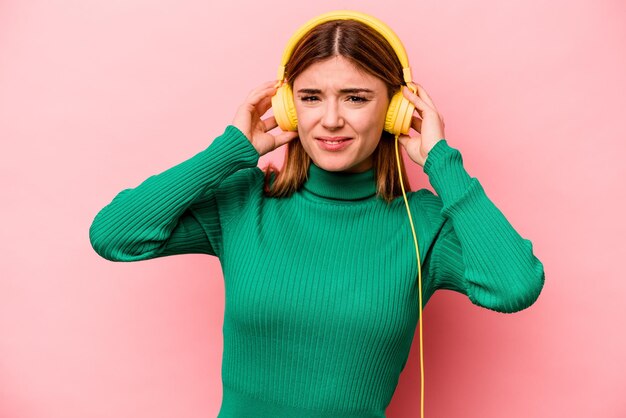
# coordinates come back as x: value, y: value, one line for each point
x: 339, y: 76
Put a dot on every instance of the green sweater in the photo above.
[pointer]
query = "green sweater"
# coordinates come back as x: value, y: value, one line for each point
x: 321, y: 298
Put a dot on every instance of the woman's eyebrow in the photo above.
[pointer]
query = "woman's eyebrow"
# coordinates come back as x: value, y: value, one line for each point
x: 350, y: 90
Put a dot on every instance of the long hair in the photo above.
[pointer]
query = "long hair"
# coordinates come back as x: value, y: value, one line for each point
x: 370, y: 52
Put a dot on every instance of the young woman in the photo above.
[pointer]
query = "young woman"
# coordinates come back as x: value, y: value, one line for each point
x: 321, y: 278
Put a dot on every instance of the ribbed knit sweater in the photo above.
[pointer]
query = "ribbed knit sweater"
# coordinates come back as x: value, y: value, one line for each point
x: 321, y: 288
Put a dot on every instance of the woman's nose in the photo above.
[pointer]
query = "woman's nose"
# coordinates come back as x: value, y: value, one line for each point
x: 332, y: 118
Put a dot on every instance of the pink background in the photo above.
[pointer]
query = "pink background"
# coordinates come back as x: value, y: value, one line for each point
x: 96, y: 96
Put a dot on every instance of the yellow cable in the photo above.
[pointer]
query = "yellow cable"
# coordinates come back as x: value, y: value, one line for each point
x: 419, y: 271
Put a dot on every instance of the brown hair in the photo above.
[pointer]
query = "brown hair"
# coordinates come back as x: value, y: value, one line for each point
x: 370, y: 52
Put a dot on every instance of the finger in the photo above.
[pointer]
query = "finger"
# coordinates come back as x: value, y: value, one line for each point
x: 415, y: 99
x: 256, y: 97
x: 264, y: 105
x: 285, y: 137
x: 264, y: 90
x: 425, y: 96
x: 416, y: 123
x: 267, y: 84
x: 270, y: 123
x: 403, y: 139
x: 261, y: 88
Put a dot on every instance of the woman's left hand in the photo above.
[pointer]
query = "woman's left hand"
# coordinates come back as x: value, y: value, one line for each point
x: 430, y: 127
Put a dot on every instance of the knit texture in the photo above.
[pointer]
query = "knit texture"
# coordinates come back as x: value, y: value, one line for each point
x: 321, y: 288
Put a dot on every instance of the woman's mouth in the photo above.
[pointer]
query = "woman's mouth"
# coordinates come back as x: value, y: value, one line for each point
x: 334, y: 143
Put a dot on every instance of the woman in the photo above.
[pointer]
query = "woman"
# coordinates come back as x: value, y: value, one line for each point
x: 318, y: 259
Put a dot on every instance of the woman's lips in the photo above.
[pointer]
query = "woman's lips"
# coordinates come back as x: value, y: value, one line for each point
x: 333, y: 143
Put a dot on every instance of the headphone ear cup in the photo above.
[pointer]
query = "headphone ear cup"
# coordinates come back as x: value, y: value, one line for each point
x: 284, y: 108
x: 399, y: 114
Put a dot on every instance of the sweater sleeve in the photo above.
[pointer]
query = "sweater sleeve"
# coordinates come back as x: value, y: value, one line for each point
x: 478, y: 252
x: 181, y: 210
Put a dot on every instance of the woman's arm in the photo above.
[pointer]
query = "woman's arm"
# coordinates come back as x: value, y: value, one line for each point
x: 477, y: 251
x: 176, y: 211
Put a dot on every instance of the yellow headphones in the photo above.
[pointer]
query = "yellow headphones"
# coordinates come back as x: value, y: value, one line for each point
x: 400, y: 110
x: 397, y: 120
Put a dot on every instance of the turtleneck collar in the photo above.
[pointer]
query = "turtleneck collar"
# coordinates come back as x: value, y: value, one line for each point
x: 339, y: 185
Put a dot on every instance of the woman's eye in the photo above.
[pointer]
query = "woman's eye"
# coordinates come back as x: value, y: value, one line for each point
x: 359, y: 98
x: 355, y: 99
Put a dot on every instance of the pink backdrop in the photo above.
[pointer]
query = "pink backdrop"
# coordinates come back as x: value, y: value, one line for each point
x: 97, y: 96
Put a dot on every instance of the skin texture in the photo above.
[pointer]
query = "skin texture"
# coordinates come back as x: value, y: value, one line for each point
x: 335, y: 114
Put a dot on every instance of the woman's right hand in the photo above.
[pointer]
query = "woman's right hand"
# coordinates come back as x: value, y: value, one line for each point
x: 248, y: 120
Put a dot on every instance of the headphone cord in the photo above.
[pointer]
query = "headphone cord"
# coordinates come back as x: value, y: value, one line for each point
x: 419, y: 270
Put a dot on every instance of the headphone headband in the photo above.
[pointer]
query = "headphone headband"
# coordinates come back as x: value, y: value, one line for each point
x: 373, y: 22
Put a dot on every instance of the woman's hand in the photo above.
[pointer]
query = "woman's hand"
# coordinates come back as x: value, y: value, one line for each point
x: 430, y: 127
x: 248, y: 119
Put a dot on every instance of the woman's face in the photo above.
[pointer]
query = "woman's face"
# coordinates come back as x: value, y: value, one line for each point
x: 334, y: 99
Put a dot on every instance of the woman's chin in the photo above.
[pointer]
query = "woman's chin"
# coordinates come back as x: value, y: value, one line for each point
x: 335, y: 164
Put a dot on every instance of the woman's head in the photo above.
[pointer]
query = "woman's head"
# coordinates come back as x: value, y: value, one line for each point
x: 336, y: 55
